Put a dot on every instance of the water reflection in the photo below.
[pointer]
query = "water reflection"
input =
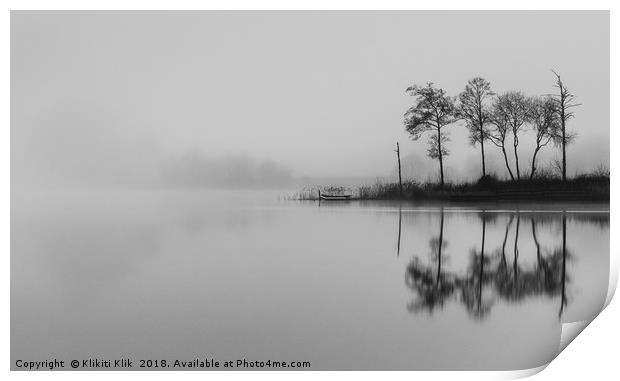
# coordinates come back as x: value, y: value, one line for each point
x: 432, y: 285
x: 489, y: 276
x: 183, y: 274
x: 400, y: 224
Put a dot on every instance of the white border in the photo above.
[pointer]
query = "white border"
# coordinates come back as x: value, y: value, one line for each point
x: 592, y: 354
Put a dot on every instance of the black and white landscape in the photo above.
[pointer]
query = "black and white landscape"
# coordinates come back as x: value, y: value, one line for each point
x: 353, y: 190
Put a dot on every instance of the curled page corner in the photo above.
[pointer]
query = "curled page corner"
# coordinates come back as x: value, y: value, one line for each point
x: 613, y: 278
x: 570, y: 331
x: 523, y: 373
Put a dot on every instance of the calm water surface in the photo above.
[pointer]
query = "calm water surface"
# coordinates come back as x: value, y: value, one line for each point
x: 180, y: 275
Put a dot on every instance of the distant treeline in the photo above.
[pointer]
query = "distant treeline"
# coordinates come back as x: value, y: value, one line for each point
x: 492, y: 118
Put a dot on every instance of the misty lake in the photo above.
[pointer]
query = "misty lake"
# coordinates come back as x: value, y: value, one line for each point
x: 344, y: 285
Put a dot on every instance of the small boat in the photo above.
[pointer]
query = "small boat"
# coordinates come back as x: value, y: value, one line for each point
x: 335, y: 197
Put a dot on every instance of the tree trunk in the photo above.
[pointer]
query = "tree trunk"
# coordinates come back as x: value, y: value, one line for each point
x: 534, y: 162
x: 506, y: 161
x: 563, y: 147
x: 400, y: 179
x: 517, y: 161
x: 484, y: 171
x: 440, y: 158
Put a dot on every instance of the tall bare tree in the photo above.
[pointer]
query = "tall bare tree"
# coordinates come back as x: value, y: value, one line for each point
x: 514, y: 106
x: 564, y: 100
x: 474, y: 110
x: 500, y: 131
x: 545, y: 121
x: 433, y: 111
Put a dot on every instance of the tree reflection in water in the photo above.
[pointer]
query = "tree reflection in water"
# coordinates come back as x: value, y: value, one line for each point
x: 433, y: 286
x: 471, y: 286
x: 489, y: 277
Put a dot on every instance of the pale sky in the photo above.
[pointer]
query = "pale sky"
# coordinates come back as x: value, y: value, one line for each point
x: 114, y: 96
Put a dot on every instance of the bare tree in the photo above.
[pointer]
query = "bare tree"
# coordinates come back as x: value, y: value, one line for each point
x: 564, y: 102
x: 499, y: 133
x: 544, y: 119
x: 433, y: 110
x: 514, y: 107
x: 473, y: 109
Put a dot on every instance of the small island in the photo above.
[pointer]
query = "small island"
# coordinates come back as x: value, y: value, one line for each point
x: 492, y: 120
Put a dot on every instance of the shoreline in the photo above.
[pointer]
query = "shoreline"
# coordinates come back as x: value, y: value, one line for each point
x: 587, y: 188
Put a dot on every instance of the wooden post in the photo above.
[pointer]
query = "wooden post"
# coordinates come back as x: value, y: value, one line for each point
x: 400, y: 179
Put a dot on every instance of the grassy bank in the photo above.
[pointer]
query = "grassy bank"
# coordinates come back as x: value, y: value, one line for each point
x: 587, y: 187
